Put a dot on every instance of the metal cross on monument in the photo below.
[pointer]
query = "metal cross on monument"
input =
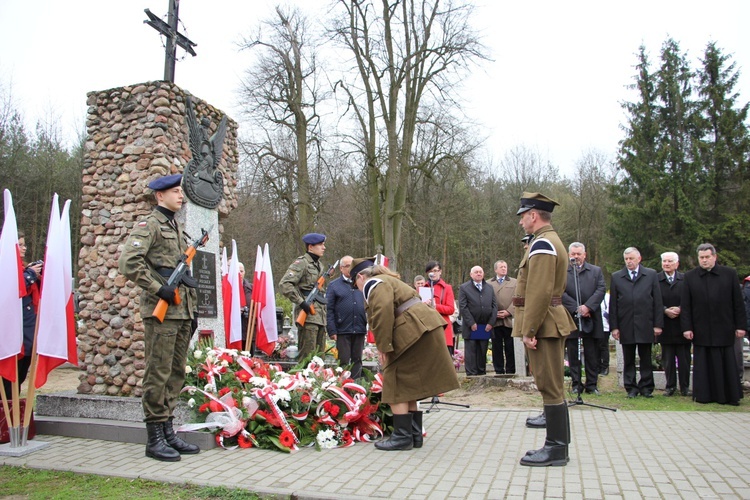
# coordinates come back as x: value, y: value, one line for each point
x: 169, y: 30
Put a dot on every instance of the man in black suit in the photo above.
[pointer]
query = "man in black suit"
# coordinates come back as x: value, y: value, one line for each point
x: 713, y: 316
x: 635, y: 316
x: 476, y: 301
x: 584, y: 305
x: 673, y: 344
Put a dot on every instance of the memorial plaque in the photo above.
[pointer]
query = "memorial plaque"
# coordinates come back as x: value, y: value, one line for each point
x: 204, y: 270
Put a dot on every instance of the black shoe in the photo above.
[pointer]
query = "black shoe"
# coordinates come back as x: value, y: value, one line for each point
x: 604, y: 372
x: 555, y: 450
x: 647, y: 394
x: 595, y: 392
x: 633, y: 393
x: 182, y: 447
x: 416, y: 429
x: 401, y: 439
x: 156, y: 446
x: 684, y: 392
x: 669, y: 392
x: 538, y: 422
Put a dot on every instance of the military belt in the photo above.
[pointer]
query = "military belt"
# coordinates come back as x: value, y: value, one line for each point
x: 165, y: 272
x: 521, y: 301
x: 406, y: 305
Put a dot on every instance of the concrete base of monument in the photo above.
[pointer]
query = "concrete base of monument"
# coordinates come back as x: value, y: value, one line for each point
x: 19, y: 451
x: 107, y: 418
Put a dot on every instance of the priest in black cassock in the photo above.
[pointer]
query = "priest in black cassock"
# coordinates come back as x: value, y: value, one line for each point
x: 712, y: 316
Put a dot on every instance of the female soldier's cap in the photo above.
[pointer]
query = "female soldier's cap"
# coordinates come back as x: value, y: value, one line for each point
x: 166, y: 182
x: 359, y: 264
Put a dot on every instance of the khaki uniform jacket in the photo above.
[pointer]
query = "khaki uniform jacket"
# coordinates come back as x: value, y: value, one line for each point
x: 298, y: 281
x: 383, y: 295
x: 543, y: 274
x: 504, y: 297
x: 153, y: 244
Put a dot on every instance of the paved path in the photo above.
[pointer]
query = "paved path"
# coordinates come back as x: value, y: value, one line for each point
x: 468, y: 454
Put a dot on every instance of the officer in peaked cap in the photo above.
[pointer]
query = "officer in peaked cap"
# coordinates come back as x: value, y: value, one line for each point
x: 166, y: 182
x: 543, y: 323
x: 151, y: 252
x: 296, y: 283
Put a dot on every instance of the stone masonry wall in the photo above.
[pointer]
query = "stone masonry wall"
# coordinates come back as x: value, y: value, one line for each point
x: 135, y: 134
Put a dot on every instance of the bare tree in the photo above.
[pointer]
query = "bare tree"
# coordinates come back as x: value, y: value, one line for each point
x: 282, y: 96
x: 406, y: 55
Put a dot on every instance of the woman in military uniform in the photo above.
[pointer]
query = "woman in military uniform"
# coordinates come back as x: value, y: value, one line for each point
x: 411, y: 340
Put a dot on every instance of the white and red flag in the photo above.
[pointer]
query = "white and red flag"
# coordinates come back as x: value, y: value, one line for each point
x: 12, y: 289
x: 267, y: 331
x: 226, y: 294
x: 381, y: 260
x: 56, y: 335
x: 234, y: 329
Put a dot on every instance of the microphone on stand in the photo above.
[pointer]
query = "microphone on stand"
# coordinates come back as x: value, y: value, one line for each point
x: 431, y: 277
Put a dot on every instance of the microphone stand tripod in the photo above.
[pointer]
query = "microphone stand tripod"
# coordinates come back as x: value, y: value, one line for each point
x: 579, y: 400
x: 435, y: 400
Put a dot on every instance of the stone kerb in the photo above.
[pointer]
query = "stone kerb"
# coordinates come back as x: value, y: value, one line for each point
x: 134, y: 134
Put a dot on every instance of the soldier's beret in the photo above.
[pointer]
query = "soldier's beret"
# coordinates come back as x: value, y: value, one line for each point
x: 166, y: 182
x: 313, y: 238
x: 359, y: 264
x: 536, y: 200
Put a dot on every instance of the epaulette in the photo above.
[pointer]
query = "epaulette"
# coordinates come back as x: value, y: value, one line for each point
x: 372, y: 283
x: 542, y: 246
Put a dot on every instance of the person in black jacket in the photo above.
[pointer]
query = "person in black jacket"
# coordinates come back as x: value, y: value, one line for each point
x: 713, y: 316
x: 476, y: 301
x: 674, y: 346
x: 346, y: 318
x: 636, y: 315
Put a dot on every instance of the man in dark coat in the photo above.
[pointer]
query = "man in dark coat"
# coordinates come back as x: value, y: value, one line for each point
x: 347, y: 321
x: 543, y: 323
x: 713, y: 316
x: 585, y: 308
x: 674, y: 345
x: 635, y: 316
x: 476, y: 301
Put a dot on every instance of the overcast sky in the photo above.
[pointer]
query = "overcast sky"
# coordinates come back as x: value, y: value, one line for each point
x: 558, y: 75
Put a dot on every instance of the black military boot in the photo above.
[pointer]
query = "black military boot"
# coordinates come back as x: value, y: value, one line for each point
x: 416, y: 428
x: 401, y: 439
x: 538, y: 422
x: 555, y: 450
x: 157, y: 447
x: 175, y: 442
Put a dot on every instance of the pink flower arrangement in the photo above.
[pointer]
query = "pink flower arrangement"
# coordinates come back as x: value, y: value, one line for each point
x: 458, y: 358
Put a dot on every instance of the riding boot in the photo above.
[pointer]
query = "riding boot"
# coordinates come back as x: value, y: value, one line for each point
x: 555, y: 450
x: 176, y: 442
x: 538, y: 422
x: 401, y: 439
x: 416, y: 428
x: 157, y: 447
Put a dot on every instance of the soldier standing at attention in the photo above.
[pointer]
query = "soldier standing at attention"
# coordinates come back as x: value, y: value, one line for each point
x: 543, y: 323
x: 297, y: 282
x: 153, y: 249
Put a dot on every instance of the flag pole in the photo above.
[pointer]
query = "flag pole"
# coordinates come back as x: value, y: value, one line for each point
x: 251, y: 325
x: 31, y: 389
x: 6, y: 408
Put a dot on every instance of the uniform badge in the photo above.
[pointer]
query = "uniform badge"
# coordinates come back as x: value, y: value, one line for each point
x: 143, y: 223
x: 136, y: 243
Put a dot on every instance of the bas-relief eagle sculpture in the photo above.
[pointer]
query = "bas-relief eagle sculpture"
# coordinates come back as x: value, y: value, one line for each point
x: 202, y: 181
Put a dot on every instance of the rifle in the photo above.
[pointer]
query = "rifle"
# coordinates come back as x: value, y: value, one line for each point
x: 302, y: 316
x: 175, y: 279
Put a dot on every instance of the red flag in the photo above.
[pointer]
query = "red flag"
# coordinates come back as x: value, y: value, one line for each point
x: 234, y: 331
x: 56, y: 345
x: 12, y: 289
x: 256, y: 275
x: 381, y: 260
x: 226, y: 293
x: 268, y: 331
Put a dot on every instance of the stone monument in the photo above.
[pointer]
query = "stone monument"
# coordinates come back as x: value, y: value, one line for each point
x: 136, y: 133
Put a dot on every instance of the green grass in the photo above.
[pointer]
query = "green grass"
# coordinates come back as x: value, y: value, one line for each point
x: 21, y: 482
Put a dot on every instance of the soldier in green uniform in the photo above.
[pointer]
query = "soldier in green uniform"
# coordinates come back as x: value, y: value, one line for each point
x: 543, y: 322
x: 297, y: 282
x: 148, y: 259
